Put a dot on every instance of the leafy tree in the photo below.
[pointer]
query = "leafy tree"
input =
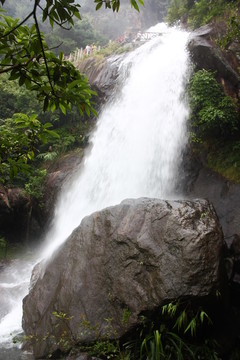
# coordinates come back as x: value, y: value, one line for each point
x: 26, y: 57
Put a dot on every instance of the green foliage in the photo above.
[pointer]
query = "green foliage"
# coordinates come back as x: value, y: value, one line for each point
x: 169, y: 341
x: 115, y: 4
x: 61, y: 315
x: 204, y: 11
x: 112, y: 48
x: 213, y: 113
x: 80, y: 35
x: 177, y: 9
x: 35, y: 185
x: 233, y: 26
x: 69, y: 131
x: 126, y: 316
x: 163, y: 344
x: 27, y: 58
x: 105, y: 348
x: 20, y: 137
x: 70, y: 136
x: 179, y: 332
x: 201, y: 12
x: 15, y: 99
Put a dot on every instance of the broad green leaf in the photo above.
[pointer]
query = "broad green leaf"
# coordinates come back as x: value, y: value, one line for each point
x: 99, y: 5
x: 63, y: 108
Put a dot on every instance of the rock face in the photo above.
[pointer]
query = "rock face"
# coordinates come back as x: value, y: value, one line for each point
x: 102, y: 75
x: 22, y: 219
x: 59, y: 173
x: 206, y: 55
x: 119, y: 263
x: 196, y: 180
x: 14, y: 212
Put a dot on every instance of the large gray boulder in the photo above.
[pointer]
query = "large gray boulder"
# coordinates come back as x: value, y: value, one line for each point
x: 119, y: 263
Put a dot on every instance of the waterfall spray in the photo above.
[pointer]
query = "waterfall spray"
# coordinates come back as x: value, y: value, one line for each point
x: 135, y: 148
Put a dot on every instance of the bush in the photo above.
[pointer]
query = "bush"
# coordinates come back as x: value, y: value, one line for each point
x: 35, y: 185
x: 213, y: 113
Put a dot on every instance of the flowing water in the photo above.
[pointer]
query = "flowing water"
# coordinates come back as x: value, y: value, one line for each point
x: 135, y: 151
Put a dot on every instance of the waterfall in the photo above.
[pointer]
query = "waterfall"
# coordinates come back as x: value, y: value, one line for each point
x: 136, y: 147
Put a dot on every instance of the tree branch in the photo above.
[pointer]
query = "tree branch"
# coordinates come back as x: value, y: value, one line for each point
x: 12, y: 67
x: 42, y: 47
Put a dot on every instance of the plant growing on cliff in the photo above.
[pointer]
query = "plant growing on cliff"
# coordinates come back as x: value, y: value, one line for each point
x: 201, y: 12
x: 233, y: 26
x: 179, y: 332
x: 35, y: 185
x: 213, y: 114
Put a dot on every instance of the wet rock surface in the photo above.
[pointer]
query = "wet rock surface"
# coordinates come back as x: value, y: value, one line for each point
x: 129, y: 258
x: 202, y: 182
x: 206, y: 54
x: 58, y: 174
x: 102, y: 74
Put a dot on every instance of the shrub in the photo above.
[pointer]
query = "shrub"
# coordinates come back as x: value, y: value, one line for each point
x: 213, y: 114
x: 35, y: 185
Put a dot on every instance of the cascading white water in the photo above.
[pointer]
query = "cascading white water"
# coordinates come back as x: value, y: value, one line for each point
x: 137, y: 143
